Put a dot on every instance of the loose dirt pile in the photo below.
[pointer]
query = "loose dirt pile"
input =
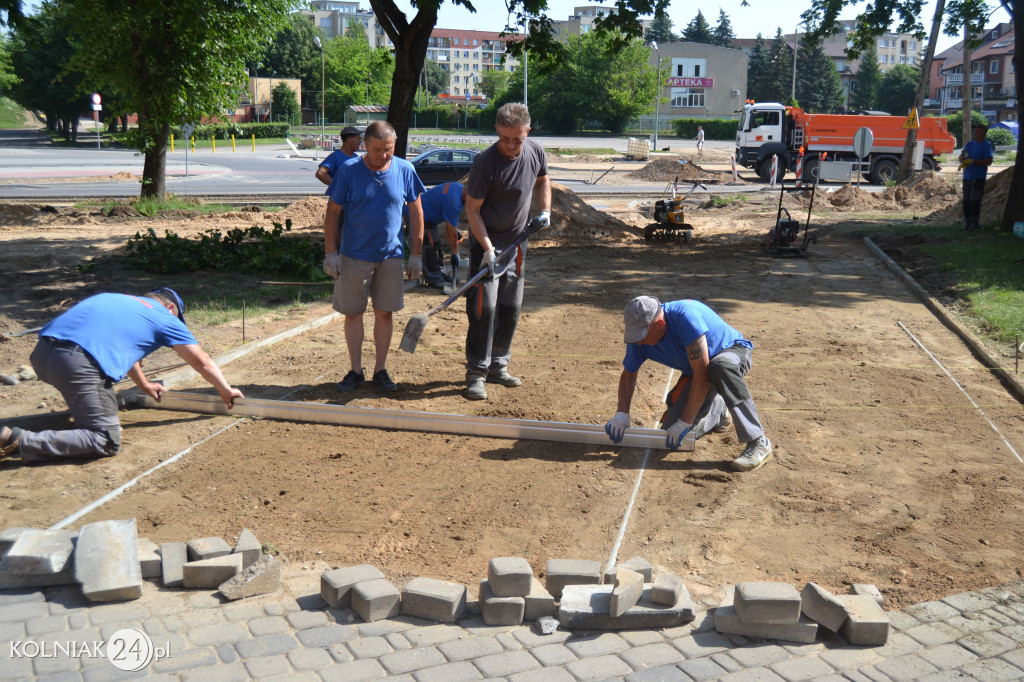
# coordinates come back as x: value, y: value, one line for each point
x: 308, y: 212
x: 572, y: 219
x: 669, y: 169
x: 993, y: 205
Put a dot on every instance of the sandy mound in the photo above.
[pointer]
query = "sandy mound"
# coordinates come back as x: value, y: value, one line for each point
x: 573, y: 219
x: 308, y: 212
x: 993, y: 206
x: 669, y: 169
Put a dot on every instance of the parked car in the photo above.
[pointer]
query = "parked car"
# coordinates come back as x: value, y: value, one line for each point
x: 443, y: 165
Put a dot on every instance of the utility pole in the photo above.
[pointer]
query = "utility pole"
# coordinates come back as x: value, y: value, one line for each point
x: 796, y: 48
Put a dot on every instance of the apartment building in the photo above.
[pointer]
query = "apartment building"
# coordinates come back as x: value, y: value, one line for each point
x: 700, y: 81
x: 582, y: 21
x: 467, y: 55
x: 992, y: 86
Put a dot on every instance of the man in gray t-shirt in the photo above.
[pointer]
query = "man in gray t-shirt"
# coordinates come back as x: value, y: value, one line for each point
x: 500, y: 185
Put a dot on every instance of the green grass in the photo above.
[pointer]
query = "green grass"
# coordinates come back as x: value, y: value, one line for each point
x: 721, y: 201
x: 11, y: 115
x: 151, y: 207
x: 263, y: 300
x: 576, y: 151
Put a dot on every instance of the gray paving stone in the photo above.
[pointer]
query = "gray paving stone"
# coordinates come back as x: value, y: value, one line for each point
x: 595, y: 644
x: 948, y: 656
x: 66, y: 676
x: 508, y: 640
x: 436, y: 600
x: 269, y: 625
x: 665, y: 673
x: 104, y: 614
x: 384, y: 627
x: 268, y: 645
x: 335, y: 585
x: 753, y: 675
x: 192, y: 658
x: 303, y: 620
x: 45, y: 666
x: 433, y: 634
x: 45, y: 625
x: 991, y: 670
x: 821, y: 606
x: 369, y: 647
x: 376, y: 599
x: 39, y: 551
x: 173, y: 556
x: 651, y: 656
x: 340, y: 653
x: 473, y: 647
x: 310, y: 659
x: 866, y: 623
x: 543, y: 675
x: 461, y: 671
x: 553, y: 655
x: 987, y: 644
x: 968, y: 601
x: 1014, y: 632
x: 200, y: 549
x: 728, y: 621
x: 539, y: 602
x: 767, y: 603
x: 642, y: 637
x: 197, y: 619
x: 701, y: 644
x: 507, y: 663
x: 1000, y: 617
x: 107, y: 561
x: 529, y: 637
x: 355, y: 671
x: 562, y: 572
x: 758, y: 655
x: 509, y: 576
x: 931, y: 611
x: 899, y: 644
x: 933, y: 634
x: 11, y: 631
x: 702, y: 668
x: 267, y: 666
x: 400, y: 662
x: 849, y: 658
x: 261, y: 577
x: 973, y: 622
x: 233, y: 672
x: 249, y: 547
x: 905, y: 667
x: 902, y: 620
x: 211, y: 573
x: 15, y: 668
x: 398, y: 641
x: 23, y: 611
x: 724, y: 660
x: 226, y: 653
x: 803, y: 668
x: 212, y: 635
x: 326, y: 635
x: 77, y: 621
x: 1016, y: 657
x: 598, y: 668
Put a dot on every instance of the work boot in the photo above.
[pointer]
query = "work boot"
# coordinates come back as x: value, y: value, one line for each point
x: 10, y: 441
x: 475, y: 389
x: 351, y: 380
x: 384, y: 381
x: 504, y: 378
x: 757, y: 452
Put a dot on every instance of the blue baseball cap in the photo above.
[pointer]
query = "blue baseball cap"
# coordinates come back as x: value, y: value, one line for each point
x: 175, y: 299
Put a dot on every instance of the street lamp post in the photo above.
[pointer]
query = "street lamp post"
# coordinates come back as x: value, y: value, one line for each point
x: 256, y: 91
x: 270, y: 85
x: 657, y: 96
x: 323, y: 93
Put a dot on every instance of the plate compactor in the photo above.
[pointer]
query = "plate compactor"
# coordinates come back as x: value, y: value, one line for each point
x: 670, y: 220
x: 784, y: 238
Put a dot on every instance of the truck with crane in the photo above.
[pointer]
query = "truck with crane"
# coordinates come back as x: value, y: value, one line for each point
x: 770, y: 129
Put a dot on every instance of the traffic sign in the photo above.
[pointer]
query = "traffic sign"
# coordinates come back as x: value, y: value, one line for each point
x: 96, y: 98
x: 912, y: 122
x: 863, y: 139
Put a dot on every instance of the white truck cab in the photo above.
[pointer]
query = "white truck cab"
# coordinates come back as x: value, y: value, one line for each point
x: 761, y: 134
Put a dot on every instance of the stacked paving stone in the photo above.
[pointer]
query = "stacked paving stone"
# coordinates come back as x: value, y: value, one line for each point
x: 110, y: 561
x: 774, y: 610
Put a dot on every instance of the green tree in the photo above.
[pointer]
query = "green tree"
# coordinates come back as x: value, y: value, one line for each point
x: 355, y: 29
x: 723, y: 35
x: 356, y: 74
x: 293, y: 54
x: 699, y: 30
x: 865, y: 90
x: 176, y: 61
x: 954, y: 124
x: 776, y: 82
x: 286, y: 104
x: 758, y: 70
x: 7, y: 77
x: 661, y: 30
x: 10, y: 12
x: 898, y: 88
x: 436, y: 79
x: 494, y: 83
x: 818, y: 87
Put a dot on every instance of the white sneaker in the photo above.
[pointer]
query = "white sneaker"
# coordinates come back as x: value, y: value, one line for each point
x: 757, y: 452
x: 724, y: 423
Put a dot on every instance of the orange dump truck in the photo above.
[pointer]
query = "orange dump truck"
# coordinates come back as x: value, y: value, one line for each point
x: 770, y: 129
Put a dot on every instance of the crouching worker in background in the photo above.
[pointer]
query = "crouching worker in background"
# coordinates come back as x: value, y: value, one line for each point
x: 89, y: 348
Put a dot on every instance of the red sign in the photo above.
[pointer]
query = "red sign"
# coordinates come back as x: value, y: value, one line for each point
x: 679, y: 82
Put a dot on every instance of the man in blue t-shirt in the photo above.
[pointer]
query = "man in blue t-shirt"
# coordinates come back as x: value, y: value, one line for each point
x: 975, y: 158
x: 368, y: 258
x: 442, y: 205
x: 351, y: 138
x: 713, y: 359
x: 86, y: 350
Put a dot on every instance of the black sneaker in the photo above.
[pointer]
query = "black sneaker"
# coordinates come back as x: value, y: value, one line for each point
x: 351, y: 381
x: 384, y: 382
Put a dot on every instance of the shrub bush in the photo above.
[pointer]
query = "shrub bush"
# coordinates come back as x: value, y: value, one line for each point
x: 1001, y: 137
x: 714, y: 128
x: 224, y: 131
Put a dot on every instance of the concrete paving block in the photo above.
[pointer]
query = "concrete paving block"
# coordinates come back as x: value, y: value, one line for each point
x: 562, y: 572
x: 820, y: 605
x: 107, y: 561
x: 211, y: 573
x: 767, y: 603
x: 9, y: 535
x: 207, y: 548
x: 868, y: 591
x: 587, y: 607
x: 539, y: 602
x: 728, y: 622
x: 866, y: 623
x: 500, y: 610
x: 435, y: 600
x: 173, y: 555
x: 249, y: 547
x: 149, y: 559
x: 376, y: 599
x: 638, y: 564
x: 336, y: 585
x: 40, y: 551
x: 262, y: 577
x: 667, y: 589
x: 10, y: 581
x: 629, y: 587
x: 509, y: 576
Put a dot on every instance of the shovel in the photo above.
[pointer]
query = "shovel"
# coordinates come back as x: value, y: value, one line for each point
x: 418, y: 322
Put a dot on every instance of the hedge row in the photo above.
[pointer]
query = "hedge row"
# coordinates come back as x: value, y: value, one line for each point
x: 224, y: 131
x: 714, y: 128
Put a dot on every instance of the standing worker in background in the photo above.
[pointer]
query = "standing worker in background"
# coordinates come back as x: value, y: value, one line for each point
x: 700, y: 141
x: 442, y: 205
x: 350, y: 140
x: 713, y: 359
x: 500, y: 184
x: 366, y: 259
x: 89, y: 348
x: 975, y: 158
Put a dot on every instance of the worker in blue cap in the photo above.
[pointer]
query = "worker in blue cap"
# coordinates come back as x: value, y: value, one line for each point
x: 86, y: 350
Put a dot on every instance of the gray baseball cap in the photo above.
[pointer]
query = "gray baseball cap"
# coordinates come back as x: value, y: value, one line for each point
x: 350, y: 130
x: 639, y: 314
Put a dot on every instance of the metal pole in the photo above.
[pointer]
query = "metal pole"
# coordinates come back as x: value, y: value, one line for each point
x: 657, y: 96
x: 796, y: 48
x: 526, y: 60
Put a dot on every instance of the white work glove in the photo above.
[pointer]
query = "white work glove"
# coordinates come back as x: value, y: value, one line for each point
x: 415, y: 268
x: 676, y: 433
x: 332, y: 265
x: 488, y: 261
x: 544, y: 218
x: 616, y: 426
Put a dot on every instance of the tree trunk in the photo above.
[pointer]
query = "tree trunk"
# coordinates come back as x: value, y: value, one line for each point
x: 968, y: 88
x: 154, y: 169
x: 1014, y: 206
x: 922, y: 89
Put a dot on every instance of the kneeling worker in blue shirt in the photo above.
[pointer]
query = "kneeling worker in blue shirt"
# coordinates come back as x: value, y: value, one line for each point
x: 713, y: 359
x: 89, y: 348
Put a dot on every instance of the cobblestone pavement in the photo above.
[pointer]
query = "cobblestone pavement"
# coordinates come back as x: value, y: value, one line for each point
x: 975, y: 635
